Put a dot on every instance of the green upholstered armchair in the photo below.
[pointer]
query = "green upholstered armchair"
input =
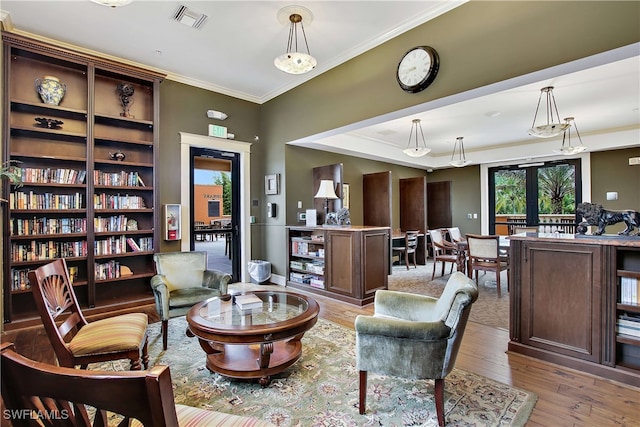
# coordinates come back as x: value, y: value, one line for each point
x: 183, y: 280
x: 414, y: 336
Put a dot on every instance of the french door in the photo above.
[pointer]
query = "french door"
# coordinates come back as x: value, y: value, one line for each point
x: 541, y: 195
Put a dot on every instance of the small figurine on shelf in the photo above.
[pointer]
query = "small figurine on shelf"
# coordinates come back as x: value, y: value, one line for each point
x: 125, y: 93
x: 118, y: 155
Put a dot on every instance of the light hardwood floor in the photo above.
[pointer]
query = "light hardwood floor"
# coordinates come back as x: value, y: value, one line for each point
x: 565, y: 397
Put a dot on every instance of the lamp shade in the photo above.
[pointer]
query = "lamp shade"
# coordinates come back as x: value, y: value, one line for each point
x: 326, y: 190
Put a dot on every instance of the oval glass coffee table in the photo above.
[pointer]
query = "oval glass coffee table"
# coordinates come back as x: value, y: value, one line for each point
x: 253, y: 343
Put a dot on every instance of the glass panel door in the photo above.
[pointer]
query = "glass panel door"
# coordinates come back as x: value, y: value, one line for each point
x: 540, y: 196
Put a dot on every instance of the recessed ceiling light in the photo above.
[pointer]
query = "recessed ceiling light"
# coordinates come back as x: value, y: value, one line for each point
x: 492, y: 113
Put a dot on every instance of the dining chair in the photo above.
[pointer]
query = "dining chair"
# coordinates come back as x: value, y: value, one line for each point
x: 409, y: 248
x: 455, y: 234
x: 76, y: 341
x: 443, y: 251
x: 484, y: 255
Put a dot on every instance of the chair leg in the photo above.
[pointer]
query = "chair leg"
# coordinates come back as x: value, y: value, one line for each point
x: 363, y: 392
x: 439, y: 395
x: 145, y: 354
x: 165, y: 327
x: 406, y: 260
x: 434, y: 269
x: 498, y: 281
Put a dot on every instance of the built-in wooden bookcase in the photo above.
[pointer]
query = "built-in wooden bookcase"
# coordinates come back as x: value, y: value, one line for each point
x: 89, y: 191
x: 627, y: 308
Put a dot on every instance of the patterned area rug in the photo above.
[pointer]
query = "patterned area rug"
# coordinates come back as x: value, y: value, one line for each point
x: 488, y: 308
x: 321, y: 389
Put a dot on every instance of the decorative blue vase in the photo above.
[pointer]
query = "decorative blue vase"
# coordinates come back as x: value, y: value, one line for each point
x: 51, y: 90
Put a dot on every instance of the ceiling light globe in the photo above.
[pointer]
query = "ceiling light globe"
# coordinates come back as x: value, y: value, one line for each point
x: 416, y: 151
x: 112, y: 3
x: 295, y: 62
x: 460, y: 163
x: 548, y: 131
x: 569, y: 151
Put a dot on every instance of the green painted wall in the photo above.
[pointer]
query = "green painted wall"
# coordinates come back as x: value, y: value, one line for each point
x: 183, y: 108
x: 479, y: 43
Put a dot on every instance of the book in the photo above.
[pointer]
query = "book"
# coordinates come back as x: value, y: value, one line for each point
x: 248, y: 301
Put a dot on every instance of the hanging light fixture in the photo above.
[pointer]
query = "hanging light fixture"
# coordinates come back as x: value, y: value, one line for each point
x: 567, y: 149
x: 551, y: 128
x: 416, y: 150
x: 294, y: 61
x: 458, y: 158
x: 112, y: 3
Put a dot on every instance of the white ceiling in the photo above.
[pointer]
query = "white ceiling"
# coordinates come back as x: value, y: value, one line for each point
x: 233, y: 52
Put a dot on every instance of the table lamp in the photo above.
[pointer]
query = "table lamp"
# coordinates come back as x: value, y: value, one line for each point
x: 326, y: 192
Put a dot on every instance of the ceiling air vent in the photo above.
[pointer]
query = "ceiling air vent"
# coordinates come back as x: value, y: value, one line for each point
x: 190, y: 18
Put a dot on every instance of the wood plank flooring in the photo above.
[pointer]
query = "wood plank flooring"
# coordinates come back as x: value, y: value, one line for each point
x: 565, y: 397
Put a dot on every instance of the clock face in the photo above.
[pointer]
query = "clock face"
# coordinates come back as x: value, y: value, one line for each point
x: 418, y: 68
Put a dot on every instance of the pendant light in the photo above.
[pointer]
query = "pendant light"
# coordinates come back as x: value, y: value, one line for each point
x: 294, y: 61
x: 567, y: 149
x: 551, y: 128
x: 112, y: 3
x: 416, y: 150
x: 458, y: 158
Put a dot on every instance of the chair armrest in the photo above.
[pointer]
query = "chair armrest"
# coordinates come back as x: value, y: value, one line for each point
x: 398, y: 328
x: 215, y: 279
x: 161, y: 295
x: 404, y: 305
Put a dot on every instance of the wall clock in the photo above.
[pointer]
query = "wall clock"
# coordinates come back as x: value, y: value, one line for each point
x: 417, y: 68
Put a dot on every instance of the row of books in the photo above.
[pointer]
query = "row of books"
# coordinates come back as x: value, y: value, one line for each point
x: 142, y: 244
x: 112, y: 223
x: 44, y: 225
x: 107, y: 270
x: 628, y: 324
x: 310, y: 266
x: 117, y: 201
x: 20, y: 279
x: 53, y: 175
x: 118, y: 179
x: 37, y: 251
x: 306, y: 248
x: 629, y: 290
x: 37, y: 201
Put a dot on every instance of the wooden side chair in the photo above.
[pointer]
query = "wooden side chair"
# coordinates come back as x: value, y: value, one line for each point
x: 76, y: 341
x: 484, y: 255
x: 443, y: 251
x: 409, y: 248
x: 455, y: 234
x: 36, y: 393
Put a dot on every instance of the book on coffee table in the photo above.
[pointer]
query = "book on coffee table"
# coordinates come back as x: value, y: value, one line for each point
x: 248, y: 301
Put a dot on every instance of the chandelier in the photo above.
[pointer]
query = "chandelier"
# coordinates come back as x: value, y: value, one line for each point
x: 551, y: 128
x: 293, y: 61
x: 458, y: 158
x: 567, y: 149
x: 416, y: 150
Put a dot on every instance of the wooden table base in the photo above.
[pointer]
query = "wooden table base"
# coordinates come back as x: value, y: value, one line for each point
x: 256, y: 361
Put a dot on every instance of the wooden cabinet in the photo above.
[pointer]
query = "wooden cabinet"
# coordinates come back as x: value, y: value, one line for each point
x: 346, y: 263
x: 89, y: 175
x: 565, y: 302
